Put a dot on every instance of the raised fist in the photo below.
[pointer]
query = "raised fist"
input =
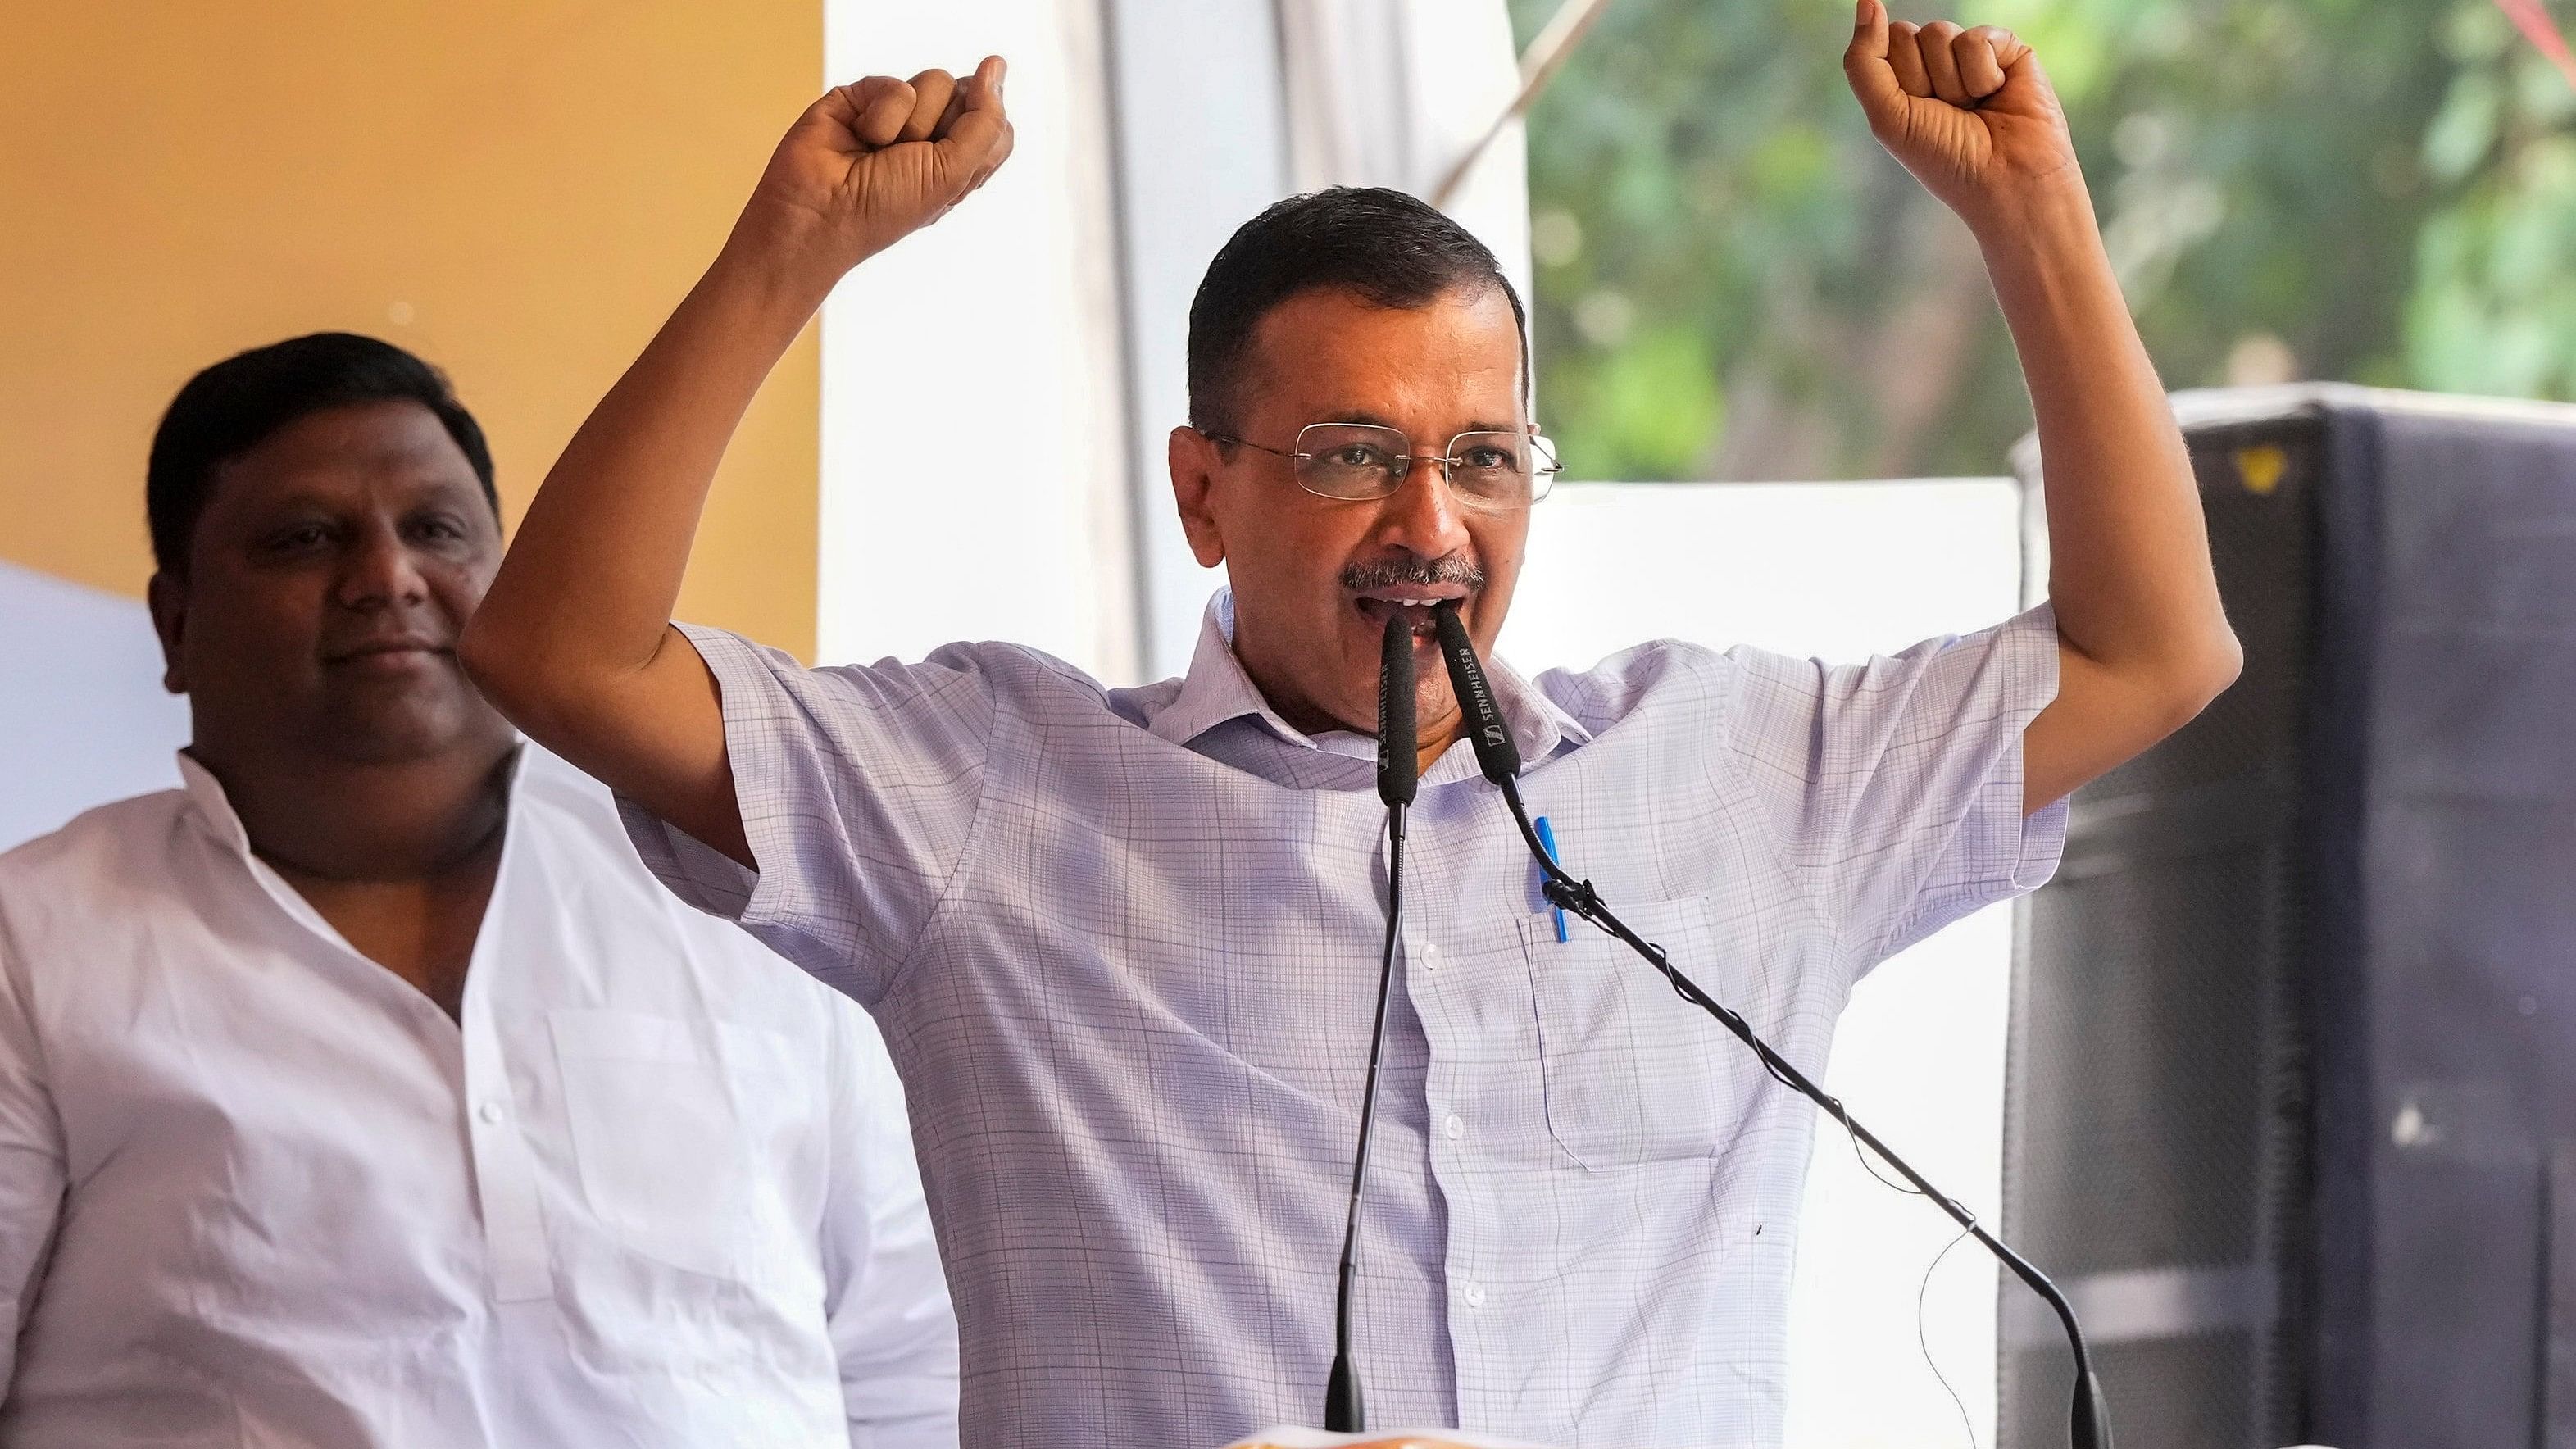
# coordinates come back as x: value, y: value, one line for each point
x: 1968, y: 111
x: 877, y: 159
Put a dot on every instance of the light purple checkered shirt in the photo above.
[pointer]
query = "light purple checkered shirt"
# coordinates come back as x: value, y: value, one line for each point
x: 1123, y: 947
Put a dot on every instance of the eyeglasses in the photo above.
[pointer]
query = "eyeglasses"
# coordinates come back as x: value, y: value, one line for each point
x: 1355, y: 462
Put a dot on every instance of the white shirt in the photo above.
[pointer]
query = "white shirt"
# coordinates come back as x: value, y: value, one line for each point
x: 1124, y: 948
x: 256, y: 1191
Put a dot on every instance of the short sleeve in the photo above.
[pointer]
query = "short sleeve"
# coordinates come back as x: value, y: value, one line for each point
x: 1896, y: 785
x: 858, y: 789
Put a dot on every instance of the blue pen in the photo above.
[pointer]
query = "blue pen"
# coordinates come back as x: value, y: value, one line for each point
x: 1547, y: 838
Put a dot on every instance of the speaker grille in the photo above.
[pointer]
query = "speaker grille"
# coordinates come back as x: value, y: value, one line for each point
x: 2156, y: 1116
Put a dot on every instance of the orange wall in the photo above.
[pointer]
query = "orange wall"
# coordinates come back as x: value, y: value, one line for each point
x: 518, y: 190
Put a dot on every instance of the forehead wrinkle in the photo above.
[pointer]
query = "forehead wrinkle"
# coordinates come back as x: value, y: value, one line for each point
x: 1449, y: 397
x: 1454, y: 368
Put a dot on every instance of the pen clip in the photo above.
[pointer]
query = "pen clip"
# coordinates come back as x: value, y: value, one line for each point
x: 1547, y: 841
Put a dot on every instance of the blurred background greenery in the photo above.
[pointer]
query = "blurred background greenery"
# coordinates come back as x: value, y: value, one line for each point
x: 1734, y: 282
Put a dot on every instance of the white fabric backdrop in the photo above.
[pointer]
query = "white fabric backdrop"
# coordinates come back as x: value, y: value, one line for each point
x: 976, y: 475
x: 83, y: 718
x: 1394, y: 92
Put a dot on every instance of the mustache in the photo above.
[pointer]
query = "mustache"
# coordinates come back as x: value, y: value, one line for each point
x: 1447, y: 569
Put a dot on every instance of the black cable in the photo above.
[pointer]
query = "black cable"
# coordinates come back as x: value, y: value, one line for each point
x: 1923, y: 1340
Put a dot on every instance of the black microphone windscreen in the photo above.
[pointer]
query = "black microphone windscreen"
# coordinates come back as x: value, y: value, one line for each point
x: 1399, y: 763
x: 1496, y: 754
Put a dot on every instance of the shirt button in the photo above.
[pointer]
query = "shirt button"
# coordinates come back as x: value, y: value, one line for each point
x: 489, y: 1111
x: 1455, y: 1128
x: 1475, y: 1295
x: 1430, y: 957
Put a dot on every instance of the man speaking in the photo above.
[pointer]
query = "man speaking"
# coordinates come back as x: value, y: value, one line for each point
x: 1124, y: 943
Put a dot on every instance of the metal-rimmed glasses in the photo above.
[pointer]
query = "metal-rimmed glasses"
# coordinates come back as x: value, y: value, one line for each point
x: 1356, y: 462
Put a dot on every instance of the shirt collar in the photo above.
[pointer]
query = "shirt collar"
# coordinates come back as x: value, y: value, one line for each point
x: 1216, y: 690
x: 212, y: 807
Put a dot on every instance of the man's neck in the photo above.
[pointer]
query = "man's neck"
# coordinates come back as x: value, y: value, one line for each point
x: 400, y: 857
x: 1433, y: 741
x: 342, y: 820
x: 1432, y: 734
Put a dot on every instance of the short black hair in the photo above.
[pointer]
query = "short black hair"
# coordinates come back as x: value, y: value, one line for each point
x: 242, y: 401
x: 1393, y: 249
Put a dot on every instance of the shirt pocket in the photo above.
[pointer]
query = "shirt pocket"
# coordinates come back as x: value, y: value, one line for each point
x: 670, y: 1123
x: 1632, y: 1074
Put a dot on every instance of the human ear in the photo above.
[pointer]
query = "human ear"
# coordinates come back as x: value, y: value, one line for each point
x: 167, y: 597
x: 1194, y: 463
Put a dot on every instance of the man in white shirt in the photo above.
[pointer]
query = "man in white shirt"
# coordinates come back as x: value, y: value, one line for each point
x: 1123, y: 942
x: 365, y: 1091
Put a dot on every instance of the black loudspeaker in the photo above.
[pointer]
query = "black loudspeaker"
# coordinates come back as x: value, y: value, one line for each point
x: 2291, y: 1104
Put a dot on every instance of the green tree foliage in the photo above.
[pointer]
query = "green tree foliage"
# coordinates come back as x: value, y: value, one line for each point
x: 2494, y: 303
x: 1734, y: 282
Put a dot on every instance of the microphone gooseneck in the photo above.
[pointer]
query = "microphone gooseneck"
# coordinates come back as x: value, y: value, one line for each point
x: 2089, y: 1421
x: 1398, y: 772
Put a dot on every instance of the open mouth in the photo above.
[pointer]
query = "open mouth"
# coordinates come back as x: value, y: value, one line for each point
x: 1413, y: 602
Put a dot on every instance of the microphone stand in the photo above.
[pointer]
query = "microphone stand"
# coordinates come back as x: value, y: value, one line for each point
x: 1398, y: 768
x: 2089, y: 1421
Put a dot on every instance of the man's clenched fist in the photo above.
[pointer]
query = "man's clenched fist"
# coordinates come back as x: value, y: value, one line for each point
x: 1967, y: 111
x: 878, y: 159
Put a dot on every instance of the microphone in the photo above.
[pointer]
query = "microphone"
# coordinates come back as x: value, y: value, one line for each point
x: 1498, y: 757
x: 1399, y: 768
x: 2089, y: 1420
x: 1399, y: 763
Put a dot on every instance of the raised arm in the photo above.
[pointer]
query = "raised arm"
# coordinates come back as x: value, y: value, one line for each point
x: 574, y: 641
x: 2143, y: 644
